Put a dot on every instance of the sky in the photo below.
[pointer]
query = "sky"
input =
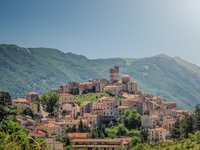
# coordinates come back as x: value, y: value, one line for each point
x: 105, y: 28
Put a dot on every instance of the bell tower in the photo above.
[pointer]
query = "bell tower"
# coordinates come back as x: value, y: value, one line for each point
x: 114, y: 74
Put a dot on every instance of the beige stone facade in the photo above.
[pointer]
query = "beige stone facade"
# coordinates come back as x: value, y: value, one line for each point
x: 168, y: 122
x: 66, y: 98
x: 32, y: 96
x: 23, y: 103
x: 64, y: 125
x: 92, y: 120
x: 149, y: 121
x: 85, y: 107
x: 108, y: 144
x: 52, y: 144
x: 50, y: 128
x: 177, y: 112
x: 119, y: 111
x: 114, y: 74
x: 158, y: 134
x: 160, y: 112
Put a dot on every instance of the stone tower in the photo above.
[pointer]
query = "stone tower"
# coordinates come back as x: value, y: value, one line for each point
x: 114, y: 74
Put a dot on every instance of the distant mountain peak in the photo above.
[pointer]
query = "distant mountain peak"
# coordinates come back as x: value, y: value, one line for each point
x: 162, y: 55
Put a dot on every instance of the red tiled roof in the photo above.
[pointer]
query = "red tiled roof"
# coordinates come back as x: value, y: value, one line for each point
x: 65, y: 94
x: 21, y: 100
x: 77, y: 135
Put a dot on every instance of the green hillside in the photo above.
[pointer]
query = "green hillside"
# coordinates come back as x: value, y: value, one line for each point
x: 163, y: 76
x: 39, y: 69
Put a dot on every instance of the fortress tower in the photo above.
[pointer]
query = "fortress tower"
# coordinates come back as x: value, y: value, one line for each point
x: 114, y: 74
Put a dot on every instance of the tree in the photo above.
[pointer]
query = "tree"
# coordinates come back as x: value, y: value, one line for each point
x: 66, y: 140
x: 131, y: 119
x: 135, y: 140
x: 99, y: 131
x: 197, y: 117
x: 5, y: 98
x: 175, y: 130
x: 51, y: 101
x: 80, y: 126
x: 187, y: 126
x: 144, y: 134
x: 3, y: 113
x: 96, y: 148
x: 28, y: 111
x: 13, y: 136
x: 121, y: 130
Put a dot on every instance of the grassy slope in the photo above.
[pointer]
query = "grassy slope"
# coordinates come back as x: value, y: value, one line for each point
x: 39, y: 69
x: 24, y: 70
x: 164, y: 77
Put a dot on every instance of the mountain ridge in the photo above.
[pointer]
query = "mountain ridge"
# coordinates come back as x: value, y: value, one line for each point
x: 39, y: 69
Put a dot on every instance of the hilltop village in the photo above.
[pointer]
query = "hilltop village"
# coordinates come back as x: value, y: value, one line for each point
x: 157, y: 114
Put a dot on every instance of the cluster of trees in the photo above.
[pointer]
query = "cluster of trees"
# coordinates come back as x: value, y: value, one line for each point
x: 14, y: 136
x: 5, y: 112
x: 5, y: 99
x: 99, y: 132
x: 50, y: 101
x: 191, y: 143
x: 189, y: 124
x: 127, y: 124
x: 81, y: 128
x: 6, y: 109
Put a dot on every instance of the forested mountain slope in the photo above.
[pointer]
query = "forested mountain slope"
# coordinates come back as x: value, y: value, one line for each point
x: 39, y: 69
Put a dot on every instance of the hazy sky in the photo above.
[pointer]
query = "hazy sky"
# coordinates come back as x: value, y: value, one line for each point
x: 105, y: 28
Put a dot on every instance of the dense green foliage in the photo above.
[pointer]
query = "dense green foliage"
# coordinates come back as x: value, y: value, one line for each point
x: 28, y: 111
x: 92, y: 97
x: 98, y: 132
x: 191, y: 143
x: 5, y: 98
x: 131, y: 119
x: 126, y: 125
x: 39, y: 69
x: 13, y: 136
x: 187, y: 125
x: 89, y: 97
x: 50, y: 101
x: 81, y: 128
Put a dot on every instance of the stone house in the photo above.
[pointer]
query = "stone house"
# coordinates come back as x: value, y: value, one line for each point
x: 23, y: 103
x: 52, y: 144
x: 91, y: 144
x: 25, y: 121
x: 64, y: 125
x: 32, y: 96
x: 149, y: 121
x: 177, y: 112
x: 85, y: 107
x: 92, y: 120
x: 158, y: 134
x: 160, y: 112
x: 119, y: 111
x: 50, y: 128
x: 168, y: 122
x: 66, y: 98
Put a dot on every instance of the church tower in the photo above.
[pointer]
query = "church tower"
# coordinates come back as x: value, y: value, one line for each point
x: 114, y: 74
